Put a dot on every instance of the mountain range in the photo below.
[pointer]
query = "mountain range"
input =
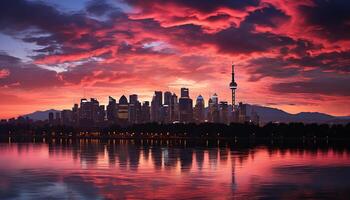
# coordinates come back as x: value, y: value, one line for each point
x: 266, y: 114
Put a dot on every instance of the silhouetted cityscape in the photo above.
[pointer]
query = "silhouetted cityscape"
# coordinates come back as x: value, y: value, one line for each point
x: 170, y: 110
x: 164, y: 108
x: 166, y: 116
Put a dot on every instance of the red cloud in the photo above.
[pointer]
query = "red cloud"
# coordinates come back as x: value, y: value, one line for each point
x: 157, y: 46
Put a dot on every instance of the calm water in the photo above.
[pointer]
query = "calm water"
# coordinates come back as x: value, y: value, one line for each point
x: 117, y: 169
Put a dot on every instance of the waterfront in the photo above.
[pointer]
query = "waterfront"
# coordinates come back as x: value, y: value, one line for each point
x: 168, y: 169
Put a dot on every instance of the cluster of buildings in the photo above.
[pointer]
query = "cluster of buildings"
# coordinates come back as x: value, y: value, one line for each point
x: 165, y: 107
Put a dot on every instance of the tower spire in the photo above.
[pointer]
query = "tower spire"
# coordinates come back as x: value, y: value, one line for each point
x: 233, y: 87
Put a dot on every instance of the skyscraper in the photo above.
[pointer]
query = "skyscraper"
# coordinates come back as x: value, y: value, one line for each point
x: 85, y: 112
x: 199, y: 110
x: 224, y: 112
x: 90, y: 112
x: 75, y: 111
x: 112, y: 110
x: 134, y: 109
x: 185, y: 106
x: 167, y: 98
x: 133, y: 98
x: 123, y: 110
x: 145, y: 112
x: 51, y: 118
x: 213, y: 109
x: 156, y: 106
x: 58, y: 118
x: 67, y: 117
x: 174, y: 108
x: 185, y: 93
x: 242, y: 113
x: 233, y: 87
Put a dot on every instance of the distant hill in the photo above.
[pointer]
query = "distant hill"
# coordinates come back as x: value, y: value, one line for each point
x: 40, y: 115
x: 268, y: 114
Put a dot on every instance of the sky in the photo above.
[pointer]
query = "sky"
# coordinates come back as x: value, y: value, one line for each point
x: 291, y: 55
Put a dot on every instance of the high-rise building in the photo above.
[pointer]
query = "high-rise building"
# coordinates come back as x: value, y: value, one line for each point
x: 199, y: 110
x: 213, y: 109
x: 174, y: 108
x: 156, y: 106
x: 224, y: 112
x: 242, y: 113
x: 123, y: 110
x: 101, y: 114
x: 67, y: 117
x: 51, y: 118
x: 185, y: 107
x: 145, y: 112
x: 95, y: 110
x: 165, y: 114
x: 112, y: 110
x: 134, y: 109
x: 58, y: 118
x: 133, y: 98
x: 233, y: 87
x: 185, y: 93
x: 167, y: 98
x: 75, y: 113
x: 90, y: 112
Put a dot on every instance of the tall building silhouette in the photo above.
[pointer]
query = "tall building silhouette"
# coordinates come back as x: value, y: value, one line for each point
x: 167, y: 98
x: 174, y: 108
x: 213, y: 109
x: 112, y: 110
x: 58, y: 118
x: 75, y: 111
x: 199, y: 110
x: 185, y: 93
x: 123, y: 110
x: 90, y: 112
x: 224, y: 112
x: 145, y: 112
x: 51, y: 118
x: 134, y: 109
x: 156, y: 106
x: 67, y: 117
x: 233, y: 87
x: 185, y: 106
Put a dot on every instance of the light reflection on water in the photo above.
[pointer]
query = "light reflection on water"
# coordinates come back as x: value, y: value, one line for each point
x: 125, y: 169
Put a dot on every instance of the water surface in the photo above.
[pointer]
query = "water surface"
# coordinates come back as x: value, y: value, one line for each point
x: 126, y: 169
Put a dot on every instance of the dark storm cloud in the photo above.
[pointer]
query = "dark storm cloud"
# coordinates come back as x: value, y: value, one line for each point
x: 26, y: 76
x: 98, y: 7
x: 334, y: 61
x: 268, y: 16
x: 331, y: 18
x: 244, y: 40
x: 284, y: 67
x: 271, y: 67
x: 321, y: 85
x: 42, y: 24
x: 21, y: 15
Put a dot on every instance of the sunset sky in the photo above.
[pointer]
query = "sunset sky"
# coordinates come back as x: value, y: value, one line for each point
x: 292, y: 55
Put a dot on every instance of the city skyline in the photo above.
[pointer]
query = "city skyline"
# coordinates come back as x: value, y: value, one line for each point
x: 289, y: 55
x: 165, y: 107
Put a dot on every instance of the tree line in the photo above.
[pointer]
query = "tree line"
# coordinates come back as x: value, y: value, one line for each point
x: 179, y: 130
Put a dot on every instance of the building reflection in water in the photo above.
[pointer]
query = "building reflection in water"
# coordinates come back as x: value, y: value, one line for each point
x: 161, y: 169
